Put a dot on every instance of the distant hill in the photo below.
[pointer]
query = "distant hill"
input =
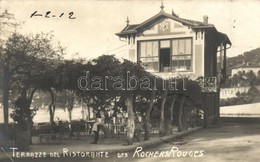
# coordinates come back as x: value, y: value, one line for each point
x: 249, y: 56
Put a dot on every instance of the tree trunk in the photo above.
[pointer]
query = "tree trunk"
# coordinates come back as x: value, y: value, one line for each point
x: 27, y: 97
x: 52, y: 110
x: 130, y: 120
x: 5, y: 100
x: 6, y: 77
x: 69, y: 119
x: 70, y: 103
x: 147, y: 122
x: 83, y: 111
x: 88, y: 113
x: 148, y: 116
x: 180, y: 125
x: 185, y: 118
x: 30, y: 124
x: 69, y: 115
x: 6, y: 88
x: 162, y: 126
x: 171, y: 113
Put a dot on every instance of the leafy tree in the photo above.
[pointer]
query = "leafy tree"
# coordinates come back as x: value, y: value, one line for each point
x: 22, y: 115
x: 162, y: 121
x: 68, y: 84
x: 132, y: 90
x: 251, y: 79
x: 242, y: 79
x: 26, y: 61
x: 151, y: 100
x: 6, y: 23
x: 107, y: 81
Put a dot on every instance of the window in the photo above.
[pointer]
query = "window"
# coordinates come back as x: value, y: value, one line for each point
x: 166, y: 55
x: 148, y: 53
x: 181, y: 54
x: 165, y: 44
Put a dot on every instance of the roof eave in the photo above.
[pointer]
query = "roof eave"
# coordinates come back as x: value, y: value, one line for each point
x: 203, y: 27
x: 165, y: 15
x: 225, y: 37
x: 125, y: 33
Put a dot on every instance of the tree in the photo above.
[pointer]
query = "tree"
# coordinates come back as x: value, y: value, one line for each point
x: 6, y: 22
x: 129, y: 86
x: 70, y: 101
x: 26, y: 61
x: 151, y: 101
x: 251, y: 78
x: 137, y: 82
x: 171, y: 111
x: 68, y: 84
x: 114, y: 80
x: 162, y: 121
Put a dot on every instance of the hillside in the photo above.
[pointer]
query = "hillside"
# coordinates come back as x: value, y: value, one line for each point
x: 249, y: 56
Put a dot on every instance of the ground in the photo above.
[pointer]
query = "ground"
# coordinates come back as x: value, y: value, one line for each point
x: 229, y: 142
x: 249, y: 110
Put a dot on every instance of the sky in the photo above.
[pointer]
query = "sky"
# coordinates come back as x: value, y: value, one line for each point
x: 92, y: 32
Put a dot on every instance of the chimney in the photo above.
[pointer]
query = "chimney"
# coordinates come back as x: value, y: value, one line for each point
x: 205, y: 19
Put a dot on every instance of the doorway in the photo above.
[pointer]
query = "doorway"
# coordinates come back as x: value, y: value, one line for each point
x: 165, y: 60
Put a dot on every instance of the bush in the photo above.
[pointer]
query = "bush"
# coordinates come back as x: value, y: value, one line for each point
x: 251, y: 96
x: 21, y: 115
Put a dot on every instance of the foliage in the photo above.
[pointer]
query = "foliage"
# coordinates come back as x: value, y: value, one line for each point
x: 7, y: 23
x: 243, y: 80
x: 21, y: 114
x: 251, y: 96
x: 27, y: 64
x: 32, y: 63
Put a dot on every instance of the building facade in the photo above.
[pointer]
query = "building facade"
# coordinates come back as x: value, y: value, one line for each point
x: 246, y: 68
x: 170, y: 46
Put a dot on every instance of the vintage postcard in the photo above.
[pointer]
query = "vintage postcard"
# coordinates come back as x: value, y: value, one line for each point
x: 129, y: 80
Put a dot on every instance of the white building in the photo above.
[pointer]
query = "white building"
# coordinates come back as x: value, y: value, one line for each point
x: 245, y: 68
x: 168, y: 46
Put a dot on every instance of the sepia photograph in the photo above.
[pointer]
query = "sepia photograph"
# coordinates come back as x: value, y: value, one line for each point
x: 129, y: 80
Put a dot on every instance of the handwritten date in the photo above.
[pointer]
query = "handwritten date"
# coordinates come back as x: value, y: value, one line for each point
x: 49, y: 14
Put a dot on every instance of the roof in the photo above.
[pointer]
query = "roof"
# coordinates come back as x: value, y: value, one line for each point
x: 130, y: 27
x: 223, y: 38
x: 138, y: 28
x: 247, y: 65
